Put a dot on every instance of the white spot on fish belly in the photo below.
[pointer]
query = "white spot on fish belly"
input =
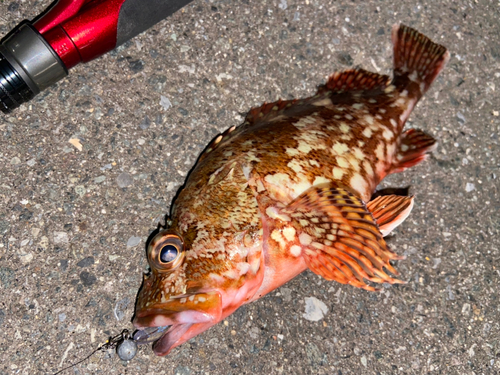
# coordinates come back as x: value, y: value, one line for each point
x: 337, y: 173
x: 393, y: 122
x: 292, y: 151
x: 339, y: 148
x: 305, y: 239
x: 313, y: 162
x: 379, y: 151
x: 320, y: 180
x: 344, y: 128
x: 368, y: 119
x: 387, y: 134
x: 295, y: 166
x: 413, y: 76
x: 278, y: 179
x: 359, y: 184
x: 276, y: 235
x: 368, y: 168
x: 401, y: 102
x: 358, y: 105
x: 301, y: 186
x: 304, y: 147
x: 354, y: 162
x: 358, y: 153
x: 295, y: 250
x: 391, y: 150
x: 367, y: 132
x: 303, y: 122
x: 289, y: 233
x: 342, y: 162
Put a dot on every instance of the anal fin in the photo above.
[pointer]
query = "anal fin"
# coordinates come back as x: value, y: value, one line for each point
x: 415, y: 147
x: 339, y: 237
x: 389, y: 211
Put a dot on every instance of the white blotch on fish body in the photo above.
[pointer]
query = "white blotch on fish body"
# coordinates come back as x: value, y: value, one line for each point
x: 295, y: 250
x: 337, y: 173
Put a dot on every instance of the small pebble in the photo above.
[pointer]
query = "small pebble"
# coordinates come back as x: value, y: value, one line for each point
x: 469, y: 187
x: 124, y: 179
x: 99, y: 179
x: 61, y: 237
x: 315, y: 309
x: 133, y: 241
x: 165, y: 103
x: 146, y: 123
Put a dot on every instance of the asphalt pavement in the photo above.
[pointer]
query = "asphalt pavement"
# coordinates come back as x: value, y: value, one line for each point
x: 91, y: 165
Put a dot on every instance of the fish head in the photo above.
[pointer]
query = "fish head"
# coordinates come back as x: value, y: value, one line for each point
x: 170, y: 298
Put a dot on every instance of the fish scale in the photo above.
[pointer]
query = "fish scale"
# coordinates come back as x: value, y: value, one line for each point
x: 288, y: 190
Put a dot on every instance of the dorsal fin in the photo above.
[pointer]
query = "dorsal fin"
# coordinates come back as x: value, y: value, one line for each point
x: 355, y: 80
x: 268, y: 111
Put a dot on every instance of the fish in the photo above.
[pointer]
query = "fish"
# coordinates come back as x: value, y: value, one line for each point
x: 290, y: 189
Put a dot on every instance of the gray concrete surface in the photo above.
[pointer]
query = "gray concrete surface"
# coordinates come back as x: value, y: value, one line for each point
x: 74, y: 217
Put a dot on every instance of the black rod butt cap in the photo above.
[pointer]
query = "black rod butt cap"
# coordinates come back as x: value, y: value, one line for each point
x: 13, y: 90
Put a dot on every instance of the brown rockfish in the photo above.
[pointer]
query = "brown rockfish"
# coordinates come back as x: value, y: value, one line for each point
x: 287, y: 190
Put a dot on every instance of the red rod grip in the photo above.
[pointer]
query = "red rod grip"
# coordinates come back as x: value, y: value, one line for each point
x: 84, y: 34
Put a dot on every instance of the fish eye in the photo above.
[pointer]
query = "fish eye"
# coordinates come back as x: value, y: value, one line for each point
x: 168, y: 253
x: 165, y: 251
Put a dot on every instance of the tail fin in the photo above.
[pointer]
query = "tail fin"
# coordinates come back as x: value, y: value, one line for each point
x: 417, y: 59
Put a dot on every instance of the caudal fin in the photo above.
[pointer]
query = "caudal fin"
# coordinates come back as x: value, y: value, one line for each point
x: 417, y: 60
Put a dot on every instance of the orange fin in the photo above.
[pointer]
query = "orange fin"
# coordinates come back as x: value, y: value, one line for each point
x: 417, y: 59
x: 415, y: 147
x: 389, y: 211
x: 339, y: 237
x: 355, y: 80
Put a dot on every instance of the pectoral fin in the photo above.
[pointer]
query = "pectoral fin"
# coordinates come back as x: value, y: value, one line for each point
x: 340, y: 239
x: 389, y: 211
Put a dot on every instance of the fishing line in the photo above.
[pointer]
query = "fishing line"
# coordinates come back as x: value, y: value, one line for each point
x: 126, y: 348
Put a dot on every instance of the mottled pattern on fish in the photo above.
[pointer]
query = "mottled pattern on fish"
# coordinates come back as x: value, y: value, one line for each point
x: 290, y: 189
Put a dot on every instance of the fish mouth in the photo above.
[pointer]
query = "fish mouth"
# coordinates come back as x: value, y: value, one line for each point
x: 166, y: 323
x: 163, y: 338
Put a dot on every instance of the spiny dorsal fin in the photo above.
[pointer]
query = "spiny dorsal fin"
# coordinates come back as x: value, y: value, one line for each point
x: 268, y: 111
x: 339, y: 237
x: 355, y: 80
